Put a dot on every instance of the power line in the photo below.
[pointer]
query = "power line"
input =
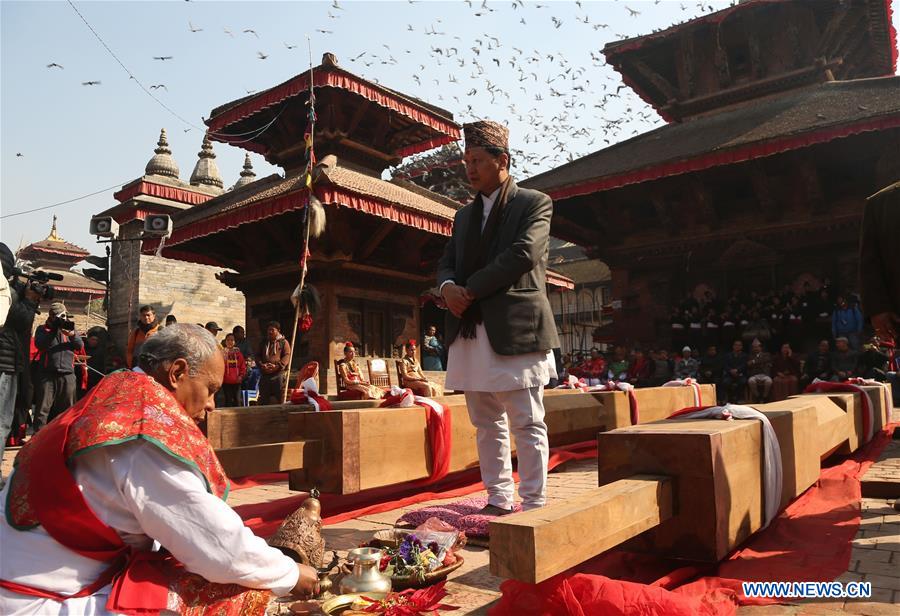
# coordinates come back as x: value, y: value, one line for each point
x: 125, y: 68
x: 52, y: 205
x: 131, y: 75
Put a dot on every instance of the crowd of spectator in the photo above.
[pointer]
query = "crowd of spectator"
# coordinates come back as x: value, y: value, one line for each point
x: 754, y: 347
x: 739, y: 376
x: 800, y: 319
x: 65, y: 365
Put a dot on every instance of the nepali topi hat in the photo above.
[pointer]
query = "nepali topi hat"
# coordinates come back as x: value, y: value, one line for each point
x: 486, y: 134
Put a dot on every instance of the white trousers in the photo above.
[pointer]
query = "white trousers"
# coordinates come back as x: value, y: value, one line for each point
x: 494, y: 414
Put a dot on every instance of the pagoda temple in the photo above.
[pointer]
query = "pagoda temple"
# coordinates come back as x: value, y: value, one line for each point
x: 78, y: 292
x: 189, y: 291
x: 783, y: 116
x: 382, y: 238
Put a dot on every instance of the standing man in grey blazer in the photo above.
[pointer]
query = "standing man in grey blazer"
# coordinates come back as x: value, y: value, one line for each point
x: 500, y: 328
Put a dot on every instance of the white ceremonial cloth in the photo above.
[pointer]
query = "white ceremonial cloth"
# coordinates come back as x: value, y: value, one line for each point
x: 472, y: 364
x: 145, y: 495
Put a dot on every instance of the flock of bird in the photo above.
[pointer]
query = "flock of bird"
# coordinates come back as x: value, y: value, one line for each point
x: 558, y: 107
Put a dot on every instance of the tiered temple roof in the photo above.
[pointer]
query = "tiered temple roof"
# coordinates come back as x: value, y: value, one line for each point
x: 360, y: 121
x: 734, y: 55
x: 362, y: 128
x: 56, y: 255
x: 794, y: 120
x: 53, y: 250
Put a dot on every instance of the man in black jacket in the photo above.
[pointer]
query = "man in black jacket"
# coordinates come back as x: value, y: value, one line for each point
x: 14, y: 344
x: 56, y: 342
x: 500, y: 328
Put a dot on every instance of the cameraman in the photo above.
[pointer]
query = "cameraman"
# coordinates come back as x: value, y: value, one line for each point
x: 56, y: 342
x: 15, y: 336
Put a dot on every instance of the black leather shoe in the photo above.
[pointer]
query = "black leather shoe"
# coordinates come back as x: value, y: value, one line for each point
x: 494, y: 510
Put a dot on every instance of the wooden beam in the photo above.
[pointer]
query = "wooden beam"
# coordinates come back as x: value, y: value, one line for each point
x: 228, y: 428
x: 686, y: 488
x: 354, y: 433
x: 370, y: 269
x: 269, y: 458
x: 396, y: 138
x: 414, y: 240
x: 809, y: 183
x: 244, y: 242
x: 835, y: 25
x: 659, y: 82
x: 374, y: 240
x: 717, y: 467
x: 850, y: 32
x: 686, y: 78
x: 720, y: 60
x: 814, y: 73
x: 703, y: 202
x: 763, y: 190
x: 535, y: 545
x: 664, y: 212
x: 579, y: 234
x: 358, y: 115
x: 756, y: 65
x: 390, y: 159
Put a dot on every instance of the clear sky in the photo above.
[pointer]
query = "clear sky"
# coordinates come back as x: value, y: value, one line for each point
x: 76, y: 139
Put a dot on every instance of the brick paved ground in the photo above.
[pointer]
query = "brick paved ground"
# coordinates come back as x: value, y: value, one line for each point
x: 875, y: 558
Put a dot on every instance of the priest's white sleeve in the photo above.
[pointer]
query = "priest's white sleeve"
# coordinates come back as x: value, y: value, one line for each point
x: 171, y: 504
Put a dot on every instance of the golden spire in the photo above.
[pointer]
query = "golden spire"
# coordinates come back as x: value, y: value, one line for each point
x: 54, y: 236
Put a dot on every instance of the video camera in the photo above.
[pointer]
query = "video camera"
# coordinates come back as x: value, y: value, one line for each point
x: 64, y: 323
x: 39, y: 282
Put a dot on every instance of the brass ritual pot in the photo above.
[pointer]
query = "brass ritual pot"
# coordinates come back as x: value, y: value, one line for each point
x: 365, y: 576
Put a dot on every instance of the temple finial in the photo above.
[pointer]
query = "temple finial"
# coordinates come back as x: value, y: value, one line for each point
x: 247, y: 175
x: 162, y: 162
x: 54, y: 236
x: 206, y: 171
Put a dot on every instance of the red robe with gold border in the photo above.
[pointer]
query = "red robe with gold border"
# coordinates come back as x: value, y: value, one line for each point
x: 124, y: 406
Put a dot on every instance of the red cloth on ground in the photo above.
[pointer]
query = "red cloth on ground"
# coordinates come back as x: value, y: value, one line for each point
x: 251, y: 481
x: 809, y: 541
x: 265, y: 518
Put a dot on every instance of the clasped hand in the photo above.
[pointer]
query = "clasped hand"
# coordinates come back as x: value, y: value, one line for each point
x: 458, y: 299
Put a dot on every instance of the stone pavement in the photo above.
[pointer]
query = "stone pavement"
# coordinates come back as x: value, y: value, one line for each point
x: 875, y: 557
x: 471, y: 587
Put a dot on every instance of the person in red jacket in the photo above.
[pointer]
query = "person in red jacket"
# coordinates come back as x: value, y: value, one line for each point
x: 640, y: 370
x: 235, y: 367
x: 594, y: 369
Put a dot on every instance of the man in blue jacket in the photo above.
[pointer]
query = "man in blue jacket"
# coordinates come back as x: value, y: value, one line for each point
x: 847, y: 321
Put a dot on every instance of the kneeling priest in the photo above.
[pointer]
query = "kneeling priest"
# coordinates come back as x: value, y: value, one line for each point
x: 123, y: 471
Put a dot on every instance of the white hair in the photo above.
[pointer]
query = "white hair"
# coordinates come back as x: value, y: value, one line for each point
x: 191, y: 343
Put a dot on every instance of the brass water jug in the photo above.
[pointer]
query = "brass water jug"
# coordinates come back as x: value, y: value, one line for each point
x: 365, y: 576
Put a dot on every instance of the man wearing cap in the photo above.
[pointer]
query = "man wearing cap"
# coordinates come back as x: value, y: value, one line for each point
x: 500, y: 327
x: 687, y: 367
x: 213, y: 328
x: 57, y: 343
